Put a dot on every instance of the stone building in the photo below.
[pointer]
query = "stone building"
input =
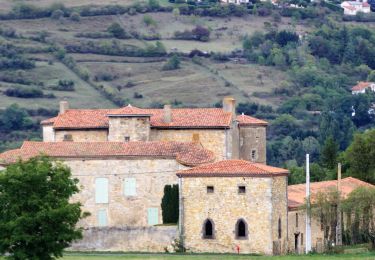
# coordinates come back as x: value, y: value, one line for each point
x: 297, y: 216
x: 234, y: 205
x: 218, y: 129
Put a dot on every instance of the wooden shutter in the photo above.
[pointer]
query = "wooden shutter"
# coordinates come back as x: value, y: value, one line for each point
x: 130, y: 187
x: 152, y: 216
x: 101, y: 190
x: 102, y: 218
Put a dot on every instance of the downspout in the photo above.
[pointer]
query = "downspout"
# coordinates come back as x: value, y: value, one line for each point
x: 226, y: 144
x: 181, y: 212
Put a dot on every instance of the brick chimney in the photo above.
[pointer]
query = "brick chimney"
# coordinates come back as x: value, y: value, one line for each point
x: 64, y: 105
x: 167, y: 114
x: 229, y: 105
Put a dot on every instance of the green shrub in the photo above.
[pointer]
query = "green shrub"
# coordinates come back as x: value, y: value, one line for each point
x: 173, y: 63
x: 170, y: 204
x: 75, y: 17
x: 57, y: 14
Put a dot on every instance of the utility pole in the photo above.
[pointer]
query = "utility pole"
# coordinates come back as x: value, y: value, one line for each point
x: 339, y: 220
x: 308, y: 206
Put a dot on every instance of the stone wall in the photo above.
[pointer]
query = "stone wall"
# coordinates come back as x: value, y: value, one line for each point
x: 48, y: 133
x: 225, y: 207
x: 136, y: 128
x: 131, y: 239
x: 82, y: 135
x: 297, y: 232
x: 253, y: 138
x: 280, y: 211
x: 211, y: 139
x: 151, y: 176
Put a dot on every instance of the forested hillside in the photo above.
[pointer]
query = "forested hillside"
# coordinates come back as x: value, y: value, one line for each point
x: 291, y: 66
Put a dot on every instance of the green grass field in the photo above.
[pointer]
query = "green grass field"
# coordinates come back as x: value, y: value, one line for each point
x: 364, y: 256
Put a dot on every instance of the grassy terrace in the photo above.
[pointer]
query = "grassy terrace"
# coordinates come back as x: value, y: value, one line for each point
x: 77, y: 256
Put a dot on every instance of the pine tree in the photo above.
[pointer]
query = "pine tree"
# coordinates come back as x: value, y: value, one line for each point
x: 170, y: 204
x: 329, y: 153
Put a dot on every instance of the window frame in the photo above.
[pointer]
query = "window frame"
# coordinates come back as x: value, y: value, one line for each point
x: 236, y: 230
x: 209, y: 188
x: 239, y: 189
x: 204, y: 235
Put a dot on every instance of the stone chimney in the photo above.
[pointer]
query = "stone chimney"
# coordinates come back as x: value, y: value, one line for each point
x: 167, y: 114
x: 229, y: 105
x: 195, y: 138
x: 64, y: 105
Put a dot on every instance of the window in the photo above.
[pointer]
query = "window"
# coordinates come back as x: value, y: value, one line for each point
x: 68, y: 137
x: 127, y: 138
x: 241, y: 229
x: 253, y: 155
x: 101, y: 190
x: 208, y: 229
x: 152, y: 216
x: 102, y: 218
x: 296, y: 219
x: 210, y: 189
x: 302, y: 239
x: 279, y: 228
x: 130, y: 185
x: 241, y: 189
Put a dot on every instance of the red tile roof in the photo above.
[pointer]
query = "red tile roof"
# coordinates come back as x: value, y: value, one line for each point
x: 187, y: 153
x: 249, y: 120
x: 129, y: 110
x: 48, y: 121
x: 233, y: 168
x: 361, y: 86
x: 181, y: 118
x: 296, y: 193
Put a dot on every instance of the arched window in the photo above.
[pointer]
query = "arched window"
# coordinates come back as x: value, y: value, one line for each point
x: 208, y: 229
x: 241, y: 229
x: 279, y: 228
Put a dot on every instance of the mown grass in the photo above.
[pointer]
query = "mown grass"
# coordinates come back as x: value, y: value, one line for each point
x: 364, y: 256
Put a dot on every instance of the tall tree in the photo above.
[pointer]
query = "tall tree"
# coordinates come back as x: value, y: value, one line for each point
x: 37, y: 219
x: 329, y: 153
x: 170, y: 204
x: 360, y: 156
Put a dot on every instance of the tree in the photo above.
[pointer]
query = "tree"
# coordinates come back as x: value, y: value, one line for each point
x: 14, y: 118
x: 153, y: 4
x: 359, y: 156
x: 371, y: 76
x: 201, y: 33
x: 57, y: 14
x: 173, y: 63
x: 147, y: 19
x: 329, y: 153
x: 360, y: 205
x: 75, y: 17
x: 117, y: 31
x: 170, y: 204
x: 37, y: 219
x: 176, y: 13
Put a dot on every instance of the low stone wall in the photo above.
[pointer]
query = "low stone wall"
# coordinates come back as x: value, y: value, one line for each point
x: 127, y: 239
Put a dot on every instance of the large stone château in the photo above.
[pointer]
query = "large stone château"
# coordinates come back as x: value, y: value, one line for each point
x: 124, y: 157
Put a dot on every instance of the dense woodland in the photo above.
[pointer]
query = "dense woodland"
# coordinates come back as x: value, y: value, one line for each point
x: 318, y: 114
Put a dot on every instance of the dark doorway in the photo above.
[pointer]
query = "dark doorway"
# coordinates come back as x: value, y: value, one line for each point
x: 296, y: 235
x: 208, y: 229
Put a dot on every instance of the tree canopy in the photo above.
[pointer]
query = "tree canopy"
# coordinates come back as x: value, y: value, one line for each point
x: 37, y: 219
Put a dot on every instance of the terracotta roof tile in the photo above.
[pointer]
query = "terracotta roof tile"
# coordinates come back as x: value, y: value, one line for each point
x: 181, y: 118
x: 296, y: 193
x: 233, y: 168
x: 48, y: 121
x: 361, y: 86
x: 249, y: 120
x: 129, y: 110
x: 186, y: 153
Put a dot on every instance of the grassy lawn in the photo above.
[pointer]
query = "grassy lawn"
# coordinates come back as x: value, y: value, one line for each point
x: 213, y: 257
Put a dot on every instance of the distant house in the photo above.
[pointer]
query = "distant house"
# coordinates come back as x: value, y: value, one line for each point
x: 361, y: 87
x: 353, y: 7
x: 237, y: 2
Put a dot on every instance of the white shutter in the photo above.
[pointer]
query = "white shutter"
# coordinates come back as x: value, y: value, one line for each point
x: 101, y: 190
x: 130, y: 187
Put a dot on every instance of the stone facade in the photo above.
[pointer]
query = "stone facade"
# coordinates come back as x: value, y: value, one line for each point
x: 79, y: 135
x: 253, y: 143
x: 48, y: 133
x: 225, y: 206
x: 151, y: 175
x: 297, y: 229
x: 130, y: 239
x: 215, y: 140
x: 133, y: 128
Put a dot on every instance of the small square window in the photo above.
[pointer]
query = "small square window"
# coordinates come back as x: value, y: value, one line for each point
x: 241, y: 189
x: 127, y: 138
x: 210, y: 189
x: 68, y: 137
